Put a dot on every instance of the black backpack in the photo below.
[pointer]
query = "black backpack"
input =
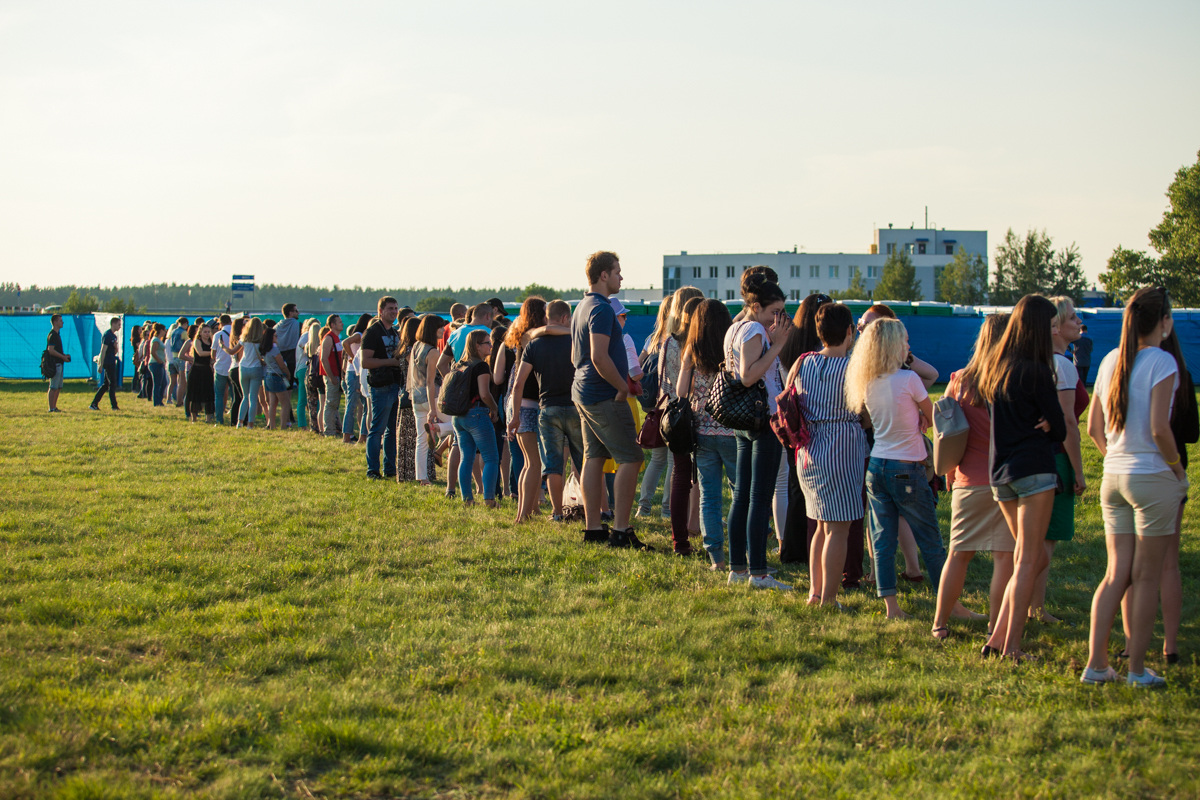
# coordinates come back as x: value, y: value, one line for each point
x: 49, y: 366
x: 455, y: 398
x: 649, y: 396
x: 678, y: 425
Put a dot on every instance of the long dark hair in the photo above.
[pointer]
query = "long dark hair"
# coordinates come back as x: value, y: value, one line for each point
x: 533, y: 315
x: 268, y: 340
x: 1026, y: 339
x: 364, y: 321
x: 1182, y: 398
x: 1145, y: 310
x: 803, y: 338
x: 408, y: 333
x: 706, y: 336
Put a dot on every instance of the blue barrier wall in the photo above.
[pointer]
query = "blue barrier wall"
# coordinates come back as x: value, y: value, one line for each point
x: 945, y: 342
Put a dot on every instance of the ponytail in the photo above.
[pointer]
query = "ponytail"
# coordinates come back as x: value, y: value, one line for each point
x: 758, y: 288
x: 1145, y: 310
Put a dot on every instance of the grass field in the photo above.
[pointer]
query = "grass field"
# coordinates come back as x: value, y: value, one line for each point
x: 186, y: 610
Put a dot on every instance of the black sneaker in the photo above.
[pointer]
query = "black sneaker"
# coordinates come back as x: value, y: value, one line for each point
x: 598, y: 536
x: 607, y: 516
x: 374, y: 476
x: 93, y: 408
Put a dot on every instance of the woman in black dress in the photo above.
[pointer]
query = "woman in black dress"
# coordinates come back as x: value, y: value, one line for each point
x: 200, y: 382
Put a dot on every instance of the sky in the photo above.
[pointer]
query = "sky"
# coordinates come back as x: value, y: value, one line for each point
x: 397, y: 144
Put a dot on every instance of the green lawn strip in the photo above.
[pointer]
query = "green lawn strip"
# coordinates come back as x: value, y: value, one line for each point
x: 191, y: 610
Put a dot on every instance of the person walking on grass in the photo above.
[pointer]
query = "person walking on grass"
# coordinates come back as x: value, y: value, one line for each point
x: 751, y: 348
x: 109, y: 362
x: 831, y: 467
x: 599, y: 391
x: 1144, y: 481
x: 899, y: 408
x: 59, y: 357
x: 380, y: 346
x: 976, y: 521
x: 200, y: 386
x: 474, y: 430
x: 547, y: 361
x: 1027, y: 421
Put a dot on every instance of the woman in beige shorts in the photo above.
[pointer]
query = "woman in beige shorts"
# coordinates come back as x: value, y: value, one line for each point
x: 1144, y: 481
x: 976, y: 522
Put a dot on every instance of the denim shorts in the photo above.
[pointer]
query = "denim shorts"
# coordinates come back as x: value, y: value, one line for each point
x: 559, y: 426
x: 528, y: 421
x: 57, y: 381
x: 275, y: 383
x: 1024, y: 487
x: 176, y: 366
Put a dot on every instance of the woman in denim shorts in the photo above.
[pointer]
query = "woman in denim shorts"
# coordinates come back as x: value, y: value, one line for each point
x: 1027, y: 421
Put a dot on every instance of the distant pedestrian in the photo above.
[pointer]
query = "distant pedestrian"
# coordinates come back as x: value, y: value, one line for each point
x: 406, y: 420
x: 331, y: 371
x: 354, y: 422
x: 222, y: 363
x: 475, y: 429
x: 1083, y: 354
x: 201, y: 384
x: 287, y: 336
x: 380, y: 344
x: 314, y: 383
x: 58, y: 357
x: 108, y: 361
x: 176, y: 338
x: 422, y: 369
x: 158, y: 362
x: 250, y: 371
x: 660, y: 457
x: 135, y: 343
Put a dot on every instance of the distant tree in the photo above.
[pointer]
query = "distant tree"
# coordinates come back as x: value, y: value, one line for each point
x: 1032, y: 266
x: 1177, y: 238
x: 857, y: 290
x: 545, y: 292
x: 80, y: 304
x: 116, y: 305
x: 963, y: 280
x: 899, y: 280
x: 439, y: 303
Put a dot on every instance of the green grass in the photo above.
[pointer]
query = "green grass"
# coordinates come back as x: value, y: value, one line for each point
x: 187, y: 610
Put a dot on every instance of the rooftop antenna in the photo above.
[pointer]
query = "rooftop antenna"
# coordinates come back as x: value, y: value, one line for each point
x: 926, y: 217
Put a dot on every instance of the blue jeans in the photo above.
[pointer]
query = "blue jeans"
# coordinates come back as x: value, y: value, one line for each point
x: 221, y: 389
x: 158, y: 373
x: 714, y: 453
x: 353, y: 400
x: 558, y: 426
x: 895, y: 489
x: 516, y: 461
x: 475, y: 433
x: 385, y: 402
x: 251, y: 379
x: 753, y: 492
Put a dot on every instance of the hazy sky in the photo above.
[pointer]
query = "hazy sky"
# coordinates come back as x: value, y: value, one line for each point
x: 400, y: 144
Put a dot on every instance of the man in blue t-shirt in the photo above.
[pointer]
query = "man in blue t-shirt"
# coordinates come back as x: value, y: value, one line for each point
x: 107, y: 362
x: 600, y: 392
x: 480, y: 319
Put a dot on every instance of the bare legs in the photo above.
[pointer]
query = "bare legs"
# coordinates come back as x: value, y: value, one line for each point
x: 1170, y: 590
x: 1037, y: 605
x: 826, y: 558
x: 1134, y: 563
x: 531, y: 477
x: 908, y: 546
x: 1028, y: 518
x: 954, y: 575
x: 52, y: 398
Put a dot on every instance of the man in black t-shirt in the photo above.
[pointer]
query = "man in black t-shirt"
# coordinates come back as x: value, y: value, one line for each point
x: 380, y: 344
x: 107, y: 361
x: 548, y: 358
x: 58, y: 357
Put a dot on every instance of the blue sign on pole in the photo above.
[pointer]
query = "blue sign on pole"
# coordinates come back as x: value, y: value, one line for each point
x: 243, y: 287
x: 237, y: 295
x: 243, y: 277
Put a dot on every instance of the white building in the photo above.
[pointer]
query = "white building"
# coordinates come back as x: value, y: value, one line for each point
x: 719, y: 275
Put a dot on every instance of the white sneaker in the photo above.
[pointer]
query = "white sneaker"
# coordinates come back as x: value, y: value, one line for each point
x: 1094, y: 677
x: 738, y: 577
x: 1149, y: 679
x: 767, y: 582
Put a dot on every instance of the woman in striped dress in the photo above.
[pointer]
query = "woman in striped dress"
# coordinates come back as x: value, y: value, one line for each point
x: 832, y: 466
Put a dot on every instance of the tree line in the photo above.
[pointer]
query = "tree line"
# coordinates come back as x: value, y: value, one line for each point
x: 199, y: 297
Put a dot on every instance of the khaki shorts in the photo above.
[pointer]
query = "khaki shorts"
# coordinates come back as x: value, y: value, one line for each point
x: 608, y: 432
x: 976, y: 522
x: 1146, y: 505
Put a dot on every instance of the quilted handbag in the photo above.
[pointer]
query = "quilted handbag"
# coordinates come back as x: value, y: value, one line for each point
x: 950, y: 430
x: 735, y: 405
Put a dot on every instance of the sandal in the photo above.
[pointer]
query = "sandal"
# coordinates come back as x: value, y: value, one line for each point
x: 941, y: 629
x: 918, y: 579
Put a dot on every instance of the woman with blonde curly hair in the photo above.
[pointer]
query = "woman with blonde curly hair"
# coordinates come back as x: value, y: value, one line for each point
x: 899, y: 408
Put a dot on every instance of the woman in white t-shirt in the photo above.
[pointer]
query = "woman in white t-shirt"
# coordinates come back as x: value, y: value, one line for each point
x: 1144, y: 482
x: 752, y: 346
x: 899, y: 409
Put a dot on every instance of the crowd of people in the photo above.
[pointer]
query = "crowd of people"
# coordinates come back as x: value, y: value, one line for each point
x: 817, y: 423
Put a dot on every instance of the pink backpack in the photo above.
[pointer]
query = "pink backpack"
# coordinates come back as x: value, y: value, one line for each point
x: 789, y: 421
